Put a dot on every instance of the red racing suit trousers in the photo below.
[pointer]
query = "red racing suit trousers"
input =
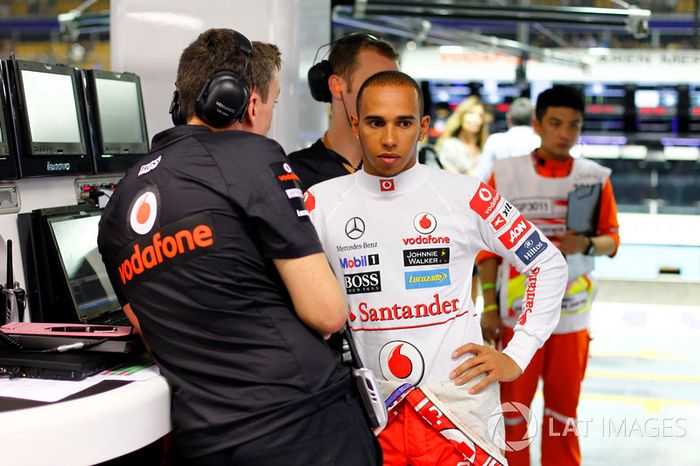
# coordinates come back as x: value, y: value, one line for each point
x: 561, y: 363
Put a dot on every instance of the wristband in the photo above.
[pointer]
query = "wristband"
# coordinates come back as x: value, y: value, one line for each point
x: 488, y: 286
x: 490, y: 308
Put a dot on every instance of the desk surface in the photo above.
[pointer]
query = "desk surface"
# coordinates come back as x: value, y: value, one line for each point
x: 87, y: 430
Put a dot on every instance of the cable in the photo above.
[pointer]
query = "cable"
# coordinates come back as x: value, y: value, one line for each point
x: 81, y: 345
x: 5, y: 338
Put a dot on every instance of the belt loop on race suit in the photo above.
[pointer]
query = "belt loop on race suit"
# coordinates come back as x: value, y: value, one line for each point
x: 461, y: 441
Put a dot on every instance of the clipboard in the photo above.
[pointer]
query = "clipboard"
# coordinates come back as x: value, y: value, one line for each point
x: 584, y: 209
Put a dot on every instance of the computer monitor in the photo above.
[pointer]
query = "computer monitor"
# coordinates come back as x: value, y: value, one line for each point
x: 75, y: 240
x: 49, y: 115
x: 66, y: 278
x: 605, y: 108
x: 656, y: 110
x: 116, y: 119
x: 8, y: 167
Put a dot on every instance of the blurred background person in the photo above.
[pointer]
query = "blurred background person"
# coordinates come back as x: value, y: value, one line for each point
x: 352, y: 59
x: 520, y: 139
x: 465, y: 133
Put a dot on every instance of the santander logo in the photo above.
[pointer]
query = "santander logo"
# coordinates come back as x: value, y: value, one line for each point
x: 144, y: 213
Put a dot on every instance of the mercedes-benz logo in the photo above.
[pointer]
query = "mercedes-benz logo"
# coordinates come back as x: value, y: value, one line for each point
x: 355, y: 228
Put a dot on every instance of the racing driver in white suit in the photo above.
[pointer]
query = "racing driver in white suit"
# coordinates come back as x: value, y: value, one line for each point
x: 402, y: 238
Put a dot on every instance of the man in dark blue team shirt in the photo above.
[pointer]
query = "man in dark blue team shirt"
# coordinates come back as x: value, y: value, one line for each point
x: 211, y: 252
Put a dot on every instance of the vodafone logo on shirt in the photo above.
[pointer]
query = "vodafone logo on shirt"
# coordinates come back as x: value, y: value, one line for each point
x: 402, y: 362
x: 289, y: 176
x: 516, y: 231
x: 424, y: 223
x: 485, y: 201
x: 144, y: 213
x: 386, y: 185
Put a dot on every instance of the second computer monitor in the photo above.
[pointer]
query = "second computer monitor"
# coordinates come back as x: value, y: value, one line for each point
x: 49, y: 119
x: 117, y: 120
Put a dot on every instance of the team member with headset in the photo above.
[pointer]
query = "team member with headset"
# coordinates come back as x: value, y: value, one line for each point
x: 352, y: 59
x: 212, y: 254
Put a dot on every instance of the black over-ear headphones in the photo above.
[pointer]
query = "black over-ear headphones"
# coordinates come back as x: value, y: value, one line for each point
x: 319, y: 73
x: 224, y: 97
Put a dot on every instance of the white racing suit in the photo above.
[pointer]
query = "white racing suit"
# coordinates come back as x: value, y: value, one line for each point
x: 403, y: 250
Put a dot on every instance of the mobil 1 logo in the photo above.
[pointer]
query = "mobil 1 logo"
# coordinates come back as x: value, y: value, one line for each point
x: 355, y: 262
x: 366, y: 282
x: 432, y: 256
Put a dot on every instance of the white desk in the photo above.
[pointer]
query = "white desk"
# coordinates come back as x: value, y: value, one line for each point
x: 87, y: 430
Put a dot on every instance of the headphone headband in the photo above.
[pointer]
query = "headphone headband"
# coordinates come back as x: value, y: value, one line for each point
x: 224, y: 97
x: 318, y: 74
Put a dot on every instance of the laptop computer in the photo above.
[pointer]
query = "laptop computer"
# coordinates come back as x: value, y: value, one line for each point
x: 66, y: 278
x: 75, y: 237
x: 90, y: 337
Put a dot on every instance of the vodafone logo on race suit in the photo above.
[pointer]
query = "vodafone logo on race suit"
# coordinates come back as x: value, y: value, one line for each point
x: 309, y: 201
x: 400, y: 361
x: 516, y: 231
x: 386, y: 185
x: 144, y: 213
x: 424, y: 223
x: 485, y: 201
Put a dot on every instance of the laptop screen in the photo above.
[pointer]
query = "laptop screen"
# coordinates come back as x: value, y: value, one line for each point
x: 75, y: 237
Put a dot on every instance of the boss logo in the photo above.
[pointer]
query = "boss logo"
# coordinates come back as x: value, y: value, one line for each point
x: 367, y: 282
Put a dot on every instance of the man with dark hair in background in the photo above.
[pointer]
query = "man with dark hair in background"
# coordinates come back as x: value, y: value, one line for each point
x: 520, y: 139
x: 352, y: 60
x: 539, y: 185
x: 213, y: 257
x: 402, y: 238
